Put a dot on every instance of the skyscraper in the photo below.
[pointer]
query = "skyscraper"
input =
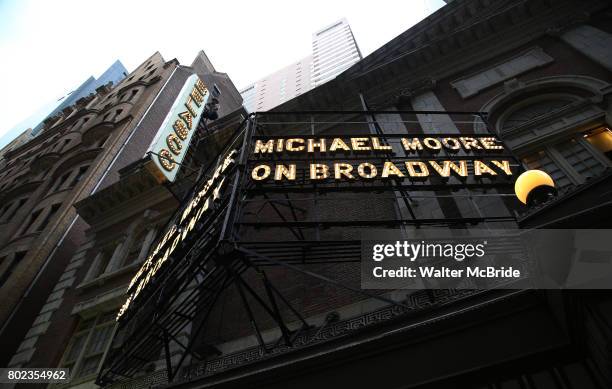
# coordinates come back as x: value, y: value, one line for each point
x: 33, y: 125
x: 334, y: 50
x: 115, y: 73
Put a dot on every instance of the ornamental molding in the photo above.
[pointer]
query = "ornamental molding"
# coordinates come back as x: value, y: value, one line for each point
x: 343, y: 328
x: 449, y: 55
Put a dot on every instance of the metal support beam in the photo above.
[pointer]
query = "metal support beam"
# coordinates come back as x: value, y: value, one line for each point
x: 167, y: 353
x: 320, y: 277
x: 271, y: 287
x: 273, y: 312
x: 250, y: 313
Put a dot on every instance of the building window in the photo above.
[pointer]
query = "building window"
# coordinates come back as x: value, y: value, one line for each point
x: 5, y: 210
x: 18, y: 257
x: 19, y: 205
x: 88, y: 345
x: 33, y: 218
x: 542, y: 161
x: 140, y: 243
x: 61, y: 181
x: 63, y: 145
x: 574, y: 160
x: 52, y: 211
x: 102, y: 264
x: 79, y: 175
x: 133, y: 94
x: 581, y: 159
x: 101, y: 142
x: 4, y: 213
x: 135, y: 248
x: 601, y: 139
x: 533, y: 111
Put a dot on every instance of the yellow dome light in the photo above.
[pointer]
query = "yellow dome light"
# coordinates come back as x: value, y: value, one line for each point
x: 533, y: 182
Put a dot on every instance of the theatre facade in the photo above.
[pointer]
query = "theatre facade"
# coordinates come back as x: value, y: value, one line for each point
x: 235, y: 255
x: 255, y: 279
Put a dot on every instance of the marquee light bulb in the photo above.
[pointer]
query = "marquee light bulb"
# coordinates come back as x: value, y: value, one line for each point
x: 533, y: 183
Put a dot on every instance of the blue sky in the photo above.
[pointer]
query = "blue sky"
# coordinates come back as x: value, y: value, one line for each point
x: 48, y: 48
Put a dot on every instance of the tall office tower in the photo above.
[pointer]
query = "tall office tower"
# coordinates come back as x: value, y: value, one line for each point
x: 278, y: 87
x: 334, y: 50
x: 115, y: 73
x: 33, y: 125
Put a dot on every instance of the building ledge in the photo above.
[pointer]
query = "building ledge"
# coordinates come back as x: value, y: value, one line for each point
x: 106, y: 277
x: 567, y: 194
x: 105, y: 301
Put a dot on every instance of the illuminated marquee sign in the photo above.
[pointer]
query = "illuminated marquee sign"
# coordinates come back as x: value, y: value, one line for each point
x: 172, y: 139
x: 410, y: 168
x: 199, y: 205
x: 410, y: 165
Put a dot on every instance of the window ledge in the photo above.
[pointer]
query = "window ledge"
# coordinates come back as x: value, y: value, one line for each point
x: 103, y: 278
x: 65, y: 190
x: 105, y: 301
x: 29, y: 235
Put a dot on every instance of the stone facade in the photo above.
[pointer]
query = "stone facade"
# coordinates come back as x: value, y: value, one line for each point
x: 539, y: 71
x: 44, y: 178
x: 79, y: 262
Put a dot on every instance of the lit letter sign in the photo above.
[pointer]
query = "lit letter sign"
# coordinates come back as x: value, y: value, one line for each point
x: 173, y: 137
x: 180, y: 228
x: 473, y: 148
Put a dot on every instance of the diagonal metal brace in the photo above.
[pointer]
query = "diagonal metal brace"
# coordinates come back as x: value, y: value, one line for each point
x: 320, y: 277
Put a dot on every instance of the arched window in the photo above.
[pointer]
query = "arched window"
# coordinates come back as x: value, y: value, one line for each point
x: 10, y: 209
x: 52, y: 211
x: 79, y: 176
x: 101, y: 142
x: 63, y: 145
x: 60, y: 181
x: 33, y: 217
x: 11, y: 267
x: 531, y: 111
x: 132, y: 94
x: 135, y: 248
x: 553, y: 124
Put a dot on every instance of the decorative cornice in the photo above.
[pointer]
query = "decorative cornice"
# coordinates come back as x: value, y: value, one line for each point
x: 560, y: 27
x: 421, y: 86
x: 419, y: 301
x: 509, y: 27
x: 108, y: 198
